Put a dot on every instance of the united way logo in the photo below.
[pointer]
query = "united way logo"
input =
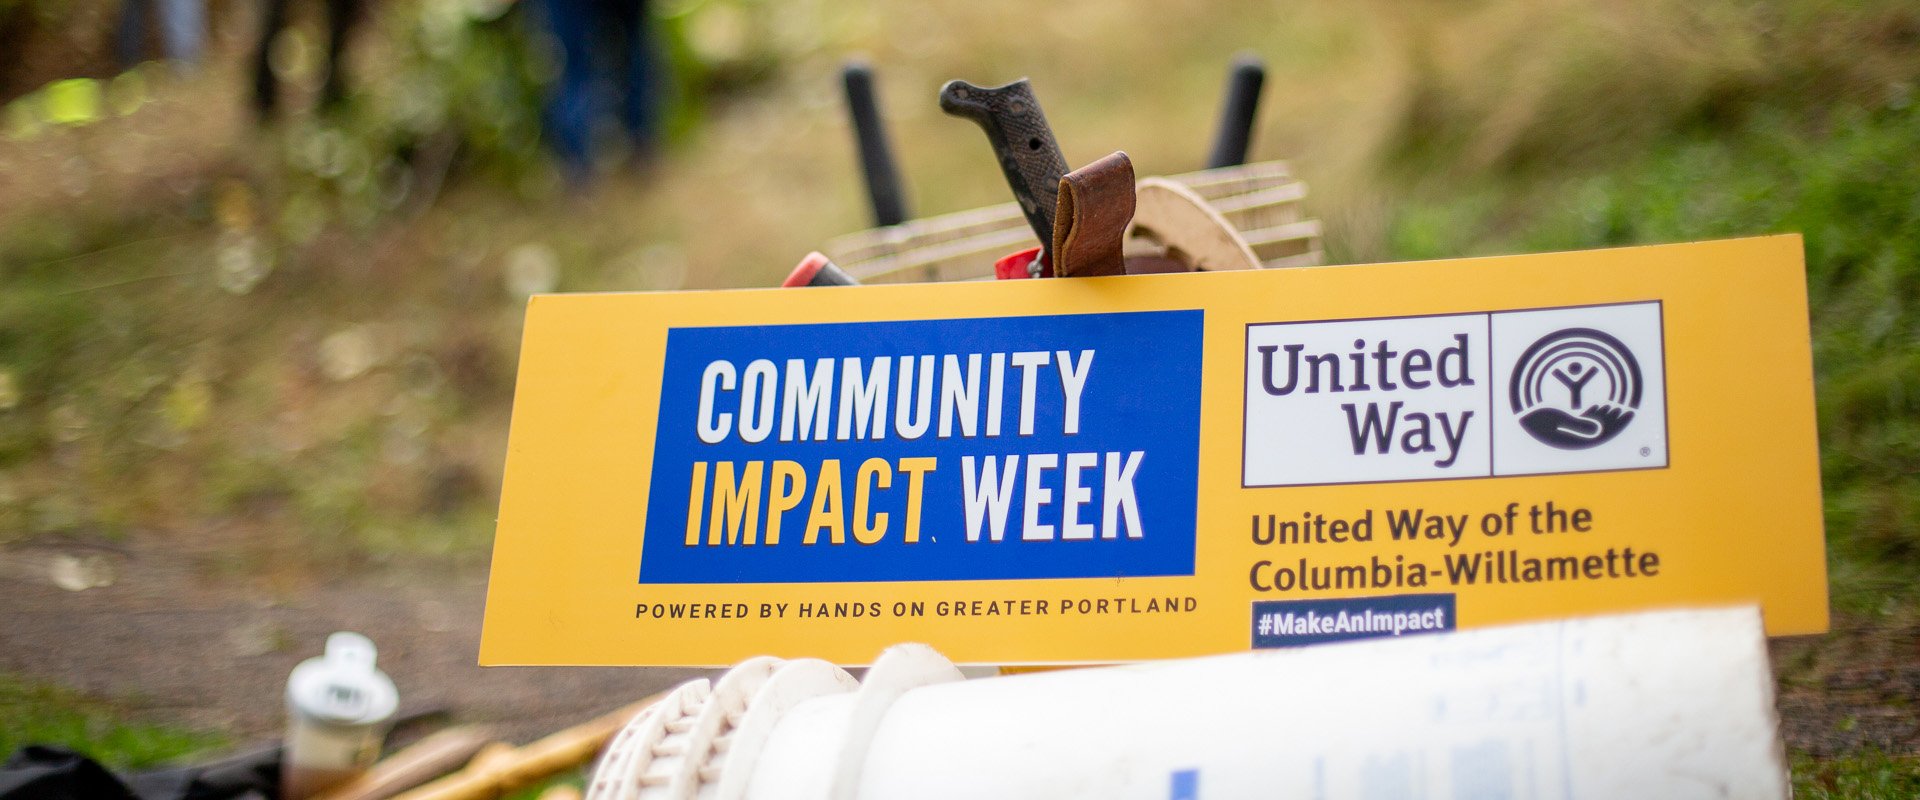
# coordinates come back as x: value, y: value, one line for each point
x: 1576, y: 388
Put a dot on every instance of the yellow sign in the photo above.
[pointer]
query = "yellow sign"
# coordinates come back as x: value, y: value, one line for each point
x: 1109, y: 469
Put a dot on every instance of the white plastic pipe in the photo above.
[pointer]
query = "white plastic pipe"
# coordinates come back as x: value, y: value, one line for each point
x: 1655, y: 705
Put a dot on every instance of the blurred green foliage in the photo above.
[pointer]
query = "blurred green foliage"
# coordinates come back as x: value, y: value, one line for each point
x: 1847, y: 179
x: 146, y: 379
x: 46, y: 10
x: 459, y: 89
x: 1517, y: 88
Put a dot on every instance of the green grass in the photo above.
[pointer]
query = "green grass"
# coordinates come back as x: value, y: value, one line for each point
x: 574, y: 778
x: 1865, y: 776
x: 37, y: 713
x: 1843, y: 178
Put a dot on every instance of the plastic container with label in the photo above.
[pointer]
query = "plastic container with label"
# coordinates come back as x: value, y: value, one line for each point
x: 338, y: 709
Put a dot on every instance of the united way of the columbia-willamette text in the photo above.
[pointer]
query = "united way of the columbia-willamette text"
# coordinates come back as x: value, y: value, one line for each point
x: 1315, y: 552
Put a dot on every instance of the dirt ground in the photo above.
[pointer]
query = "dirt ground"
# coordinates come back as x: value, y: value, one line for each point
x: 204, y: 634
x: 180, y: 638
x: 1855, y: 689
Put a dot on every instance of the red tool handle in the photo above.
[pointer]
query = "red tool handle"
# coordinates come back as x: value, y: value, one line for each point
x: 1017, y: 265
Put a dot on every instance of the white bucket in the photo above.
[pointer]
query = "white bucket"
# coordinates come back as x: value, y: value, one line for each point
x: 1654, y: 705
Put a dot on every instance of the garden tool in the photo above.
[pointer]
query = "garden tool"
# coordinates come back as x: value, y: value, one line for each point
x: 1023, y: 144
x: 870, y: 136
x: 816, y: 270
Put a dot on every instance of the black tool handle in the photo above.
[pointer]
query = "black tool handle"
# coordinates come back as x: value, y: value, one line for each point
x: 817, y: 270
x: 1236, y: 115
x: 876, y: 157
x: 1022, y: 142
x: 830, y: 274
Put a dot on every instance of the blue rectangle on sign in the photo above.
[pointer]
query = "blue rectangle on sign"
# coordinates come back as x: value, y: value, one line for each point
x: 966, y: 449
x: 1288, y: 623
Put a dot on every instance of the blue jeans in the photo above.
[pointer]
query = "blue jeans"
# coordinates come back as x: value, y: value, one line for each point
x: 607, y: 52
x: 183, y: 29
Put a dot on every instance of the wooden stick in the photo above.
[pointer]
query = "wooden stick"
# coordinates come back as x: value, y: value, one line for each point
x: 429, y: 758
x: 493, y: 777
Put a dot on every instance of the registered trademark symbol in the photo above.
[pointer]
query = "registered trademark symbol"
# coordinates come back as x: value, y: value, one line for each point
x: 1646, y: 451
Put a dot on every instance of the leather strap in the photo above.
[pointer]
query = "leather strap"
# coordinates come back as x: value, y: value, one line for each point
x: 1090, y: 221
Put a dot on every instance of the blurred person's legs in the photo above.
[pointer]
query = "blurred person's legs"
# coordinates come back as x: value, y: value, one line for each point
x: 130, y: 39
x: 183, y: 25
x: 266, y: 89
x: 570, y: 105
x: 640, y: 102
x: 342, y: 15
